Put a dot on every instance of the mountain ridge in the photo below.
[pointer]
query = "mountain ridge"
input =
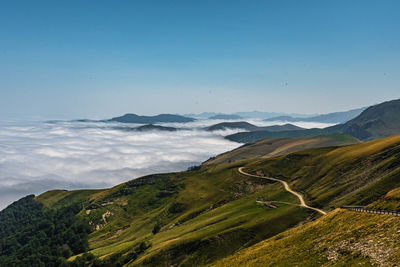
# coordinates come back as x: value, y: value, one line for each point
x: 133, y: 118
x: 334, y: 117
x: 375, y: 122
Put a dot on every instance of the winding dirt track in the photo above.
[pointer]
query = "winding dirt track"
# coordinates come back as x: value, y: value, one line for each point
x: 287, y: 188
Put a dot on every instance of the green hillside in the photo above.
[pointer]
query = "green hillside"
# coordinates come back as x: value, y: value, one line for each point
x: 271, y: 147
x: 187, y: 218
x: 331, y: 177
x: 201, y: 216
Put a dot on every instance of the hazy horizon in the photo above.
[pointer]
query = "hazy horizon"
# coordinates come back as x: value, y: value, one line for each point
x: 114, y: 114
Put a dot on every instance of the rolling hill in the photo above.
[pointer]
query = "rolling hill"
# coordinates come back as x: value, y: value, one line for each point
x: 133, y: 118
x: 271, y: 147
x: 331, y: 177
x: 201, y: 216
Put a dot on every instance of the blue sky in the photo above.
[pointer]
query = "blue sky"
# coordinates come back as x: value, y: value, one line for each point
x: 96, y: 59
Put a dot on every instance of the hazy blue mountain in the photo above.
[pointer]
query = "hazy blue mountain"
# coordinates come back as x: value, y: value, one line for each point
x: 203, y: 115
x: 266, y: 115
x: 133, y: 118
x: 284, y: 118
x: 249, y: 114
x: 225, y: 117
x: 335, y: 117
x: 257, y: 114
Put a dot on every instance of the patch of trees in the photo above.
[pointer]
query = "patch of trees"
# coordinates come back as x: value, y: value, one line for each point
x: 194, y: 168
x: 31, y: 235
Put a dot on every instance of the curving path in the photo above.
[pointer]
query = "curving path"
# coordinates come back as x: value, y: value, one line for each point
x: 287, y: 188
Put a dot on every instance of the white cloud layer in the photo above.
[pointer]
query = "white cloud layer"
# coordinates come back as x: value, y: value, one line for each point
x: 36, y: 156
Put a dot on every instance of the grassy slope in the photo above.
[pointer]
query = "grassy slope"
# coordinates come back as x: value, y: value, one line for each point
x: 281, y: 146
x: 211, y: 213
x: 204, y: 215
x: 331, y: 177
x: 248, y: 137
x: 341, y: 238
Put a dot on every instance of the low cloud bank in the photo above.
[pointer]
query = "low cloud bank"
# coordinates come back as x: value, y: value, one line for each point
x: 36, y: 157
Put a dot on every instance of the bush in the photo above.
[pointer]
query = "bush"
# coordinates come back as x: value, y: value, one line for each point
x: 156, y: 229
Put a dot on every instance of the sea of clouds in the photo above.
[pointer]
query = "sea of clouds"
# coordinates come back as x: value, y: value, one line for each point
x: 40, y: 156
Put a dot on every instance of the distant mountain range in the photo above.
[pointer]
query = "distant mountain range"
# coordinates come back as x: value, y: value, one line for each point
x: 336, y: 117
x: 247, y: 114
x: 369, y: 123
x: 133, y: 118
x: 374, y: 122
x: 259, y: 114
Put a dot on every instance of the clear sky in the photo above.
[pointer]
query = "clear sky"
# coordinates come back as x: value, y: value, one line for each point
x: 96, y: 59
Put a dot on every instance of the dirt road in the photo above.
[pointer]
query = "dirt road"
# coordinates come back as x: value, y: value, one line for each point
x: 287, y: 188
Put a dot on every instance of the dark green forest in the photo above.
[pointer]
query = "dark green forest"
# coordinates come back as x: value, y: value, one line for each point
x: 32, y: 235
